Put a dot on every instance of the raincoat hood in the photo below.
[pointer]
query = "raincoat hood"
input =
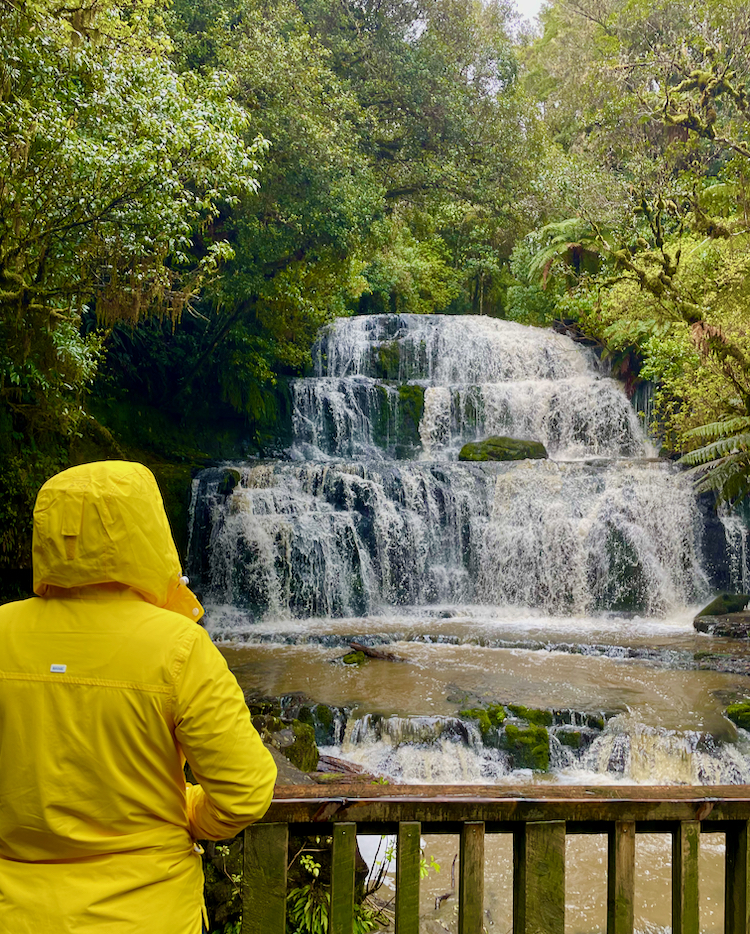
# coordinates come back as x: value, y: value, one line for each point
x: 105, y: 523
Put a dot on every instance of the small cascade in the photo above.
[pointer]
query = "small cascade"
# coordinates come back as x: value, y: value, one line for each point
x: 450, y: 750
x: 338, y: 539
x: 737, y: 536
x: 401, y: 386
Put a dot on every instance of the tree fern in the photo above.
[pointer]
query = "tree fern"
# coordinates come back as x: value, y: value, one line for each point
x: 722, y: 463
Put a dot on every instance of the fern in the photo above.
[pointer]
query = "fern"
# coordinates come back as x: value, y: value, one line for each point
x: 722, y: 464
x: 734, y: 425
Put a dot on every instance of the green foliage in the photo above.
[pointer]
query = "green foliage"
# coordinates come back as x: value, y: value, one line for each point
x: 109, y: 161
x: 308, y: 905
x: 723, y: 463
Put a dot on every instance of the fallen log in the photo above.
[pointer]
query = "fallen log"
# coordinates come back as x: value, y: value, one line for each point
x: 376, y: 653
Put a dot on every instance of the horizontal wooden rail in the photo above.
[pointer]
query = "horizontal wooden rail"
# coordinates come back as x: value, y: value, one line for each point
x: 539, y: 817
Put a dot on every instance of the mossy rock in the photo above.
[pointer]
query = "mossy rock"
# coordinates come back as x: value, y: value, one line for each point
x: 354, y: 658
x: 740, y: 714
x: 501, y: 448
x: 725, y: 603
x: 229, y: 481
x: 489, y: 717
x: 570, y: 738
x: 293, y: 739
x: 529, y: 747
x: 410, y: 410
x: 388, y: 360
x: 303, y: 752
x: 531, y: 714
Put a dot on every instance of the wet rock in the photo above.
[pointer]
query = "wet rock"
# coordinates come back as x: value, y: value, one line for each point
x: 370, y: 652
x: 569, y: 738
x: 725, y: 616
x: 528, y: 747
x: 488, y: 718
x: 531, y: 715
x: 229, y: 480
x: 740, y: 715
x: 293, y: 739
x: 500, y: 448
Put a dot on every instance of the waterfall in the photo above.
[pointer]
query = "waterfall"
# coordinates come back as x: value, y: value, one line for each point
x: 370, y: 529
x: 406, y: 386
x: 375, y: 511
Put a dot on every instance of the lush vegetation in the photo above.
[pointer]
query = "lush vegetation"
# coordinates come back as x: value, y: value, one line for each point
x: 188, y: 191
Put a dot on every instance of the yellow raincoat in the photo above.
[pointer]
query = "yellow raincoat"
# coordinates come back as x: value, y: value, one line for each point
x: 105, y: 689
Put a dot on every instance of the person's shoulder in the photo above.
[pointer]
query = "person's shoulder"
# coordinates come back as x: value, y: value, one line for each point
x: 14, y: 608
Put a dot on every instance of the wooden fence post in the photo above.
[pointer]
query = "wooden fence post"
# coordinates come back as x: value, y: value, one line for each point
x: 620, y: 877
x: 539, y: 878
x: 736, y: 886
x: 407, y: 877
x: 264, y: 879
x: 471, y: 878
x: 342, y: 878
x: 685, y: 901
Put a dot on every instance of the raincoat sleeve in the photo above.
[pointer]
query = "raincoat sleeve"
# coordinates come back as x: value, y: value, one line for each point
x: 235, y: 771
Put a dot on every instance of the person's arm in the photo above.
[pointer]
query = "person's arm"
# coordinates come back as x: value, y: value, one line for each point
x: 235, y: 771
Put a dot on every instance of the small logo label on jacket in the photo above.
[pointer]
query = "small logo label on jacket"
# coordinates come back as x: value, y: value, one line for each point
x: 59, y: 669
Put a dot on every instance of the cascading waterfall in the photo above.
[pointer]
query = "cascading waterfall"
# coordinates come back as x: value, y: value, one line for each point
x: 373, y: 514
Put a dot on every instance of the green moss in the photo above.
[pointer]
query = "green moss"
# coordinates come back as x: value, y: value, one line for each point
x: 303, y: 752
x: 489, y: 717
x: 596, y: 723
x: 305, y: 715
x: 388, y: 360
x: 726, y: 603
x: 570, y: 738
x: 410, y: 409
x: 354, y: 658
x: 740, y: 714
x: 501, y: 448
x: 381, y: 421
x: 324, y: 715
x: 531, y: 714
x: 529, y: 748
x: 229, y: 481
x: 268, y: 723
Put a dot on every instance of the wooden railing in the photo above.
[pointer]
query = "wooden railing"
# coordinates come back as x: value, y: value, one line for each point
x: 539, y: 817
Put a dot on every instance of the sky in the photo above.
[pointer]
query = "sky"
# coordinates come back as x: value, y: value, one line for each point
x: 528, y: 8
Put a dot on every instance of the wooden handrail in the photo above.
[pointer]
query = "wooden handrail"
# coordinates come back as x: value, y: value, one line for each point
x: 538, y: 816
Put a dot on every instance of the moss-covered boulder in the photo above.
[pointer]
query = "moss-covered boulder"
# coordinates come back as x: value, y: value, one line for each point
x: 500, y: 448
x: 569, y: 738
x: 354, y: 658
x: 531, y: 714
x: 726, y: 615
x: 293, y: 739
x: 488, y: 718
x: 740, y: 714
x: 726, y: 603
x: 529, y: 747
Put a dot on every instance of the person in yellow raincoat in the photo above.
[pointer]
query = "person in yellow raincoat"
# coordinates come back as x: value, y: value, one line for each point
x: 107, y: 686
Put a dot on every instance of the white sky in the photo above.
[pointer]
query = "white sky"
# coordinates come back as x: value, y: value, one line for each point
x: 528, y: 8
